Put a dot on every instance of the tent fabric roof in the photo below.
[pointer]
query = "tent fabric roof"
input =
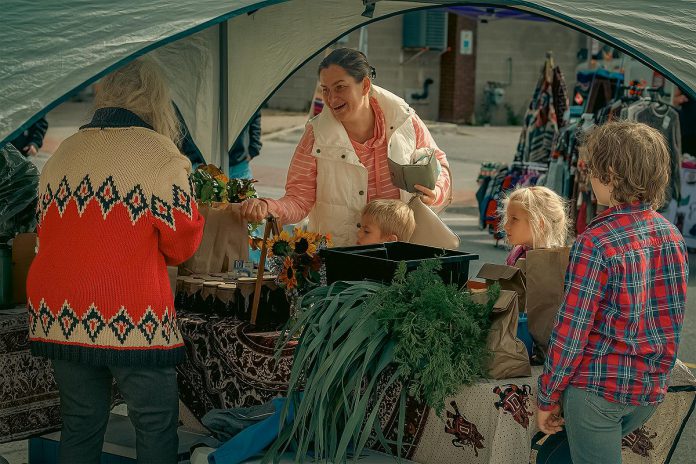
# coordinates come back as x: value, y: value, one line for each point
x: 51, y: 49
x: 487, y: 12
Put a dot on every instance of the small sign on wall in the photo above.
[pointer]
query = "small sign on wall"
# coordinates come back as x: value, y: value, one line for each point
x: 466, y: 42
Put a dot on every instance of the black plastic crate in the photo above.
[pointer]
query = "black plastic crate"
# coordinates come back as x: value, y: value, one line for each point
x: 379, y: 262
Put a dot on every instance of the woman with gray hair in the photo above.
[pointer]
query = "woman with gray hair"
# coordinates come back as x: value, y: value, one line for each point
x: 115, y: 209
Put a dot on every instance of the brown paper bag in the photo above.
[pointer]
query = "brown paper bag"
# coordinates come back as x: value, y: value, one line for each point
x: 23, y: 253
x: 509, y: 356
x: 545, y: 274
x: 225, y: 239
x: 509, y: 278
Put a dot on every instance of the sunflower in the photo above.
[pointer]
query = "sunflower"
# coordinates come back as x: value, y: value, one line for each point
x: 306, y: 242
x: 299, y: 234
x: 287, y: 275
x: 280, y: 245
x: 301, y: 246
x: 316, y: 263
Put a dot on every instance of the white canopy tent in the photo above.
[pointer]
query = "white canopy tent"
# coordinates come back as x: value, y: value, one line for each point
x: 223, y: 59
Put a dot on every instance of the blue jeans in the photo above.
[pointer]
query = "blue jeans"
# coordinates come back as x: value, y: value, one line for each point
x: 240, y: 171
x: 596, y: 426
x: 85, y: 399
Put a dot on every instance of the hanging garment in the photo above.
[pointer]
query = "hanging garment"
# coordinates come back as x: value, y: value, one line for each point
x: 480, y: 196
x: 665, y: 119
x: 540, y: 126
x: 581, y: 223
x: 555, y: 177
x: 560, y: 97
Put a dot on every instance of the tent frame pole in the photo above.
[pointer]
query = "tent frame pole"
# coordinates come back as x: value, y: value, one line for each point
x: 224, y: 99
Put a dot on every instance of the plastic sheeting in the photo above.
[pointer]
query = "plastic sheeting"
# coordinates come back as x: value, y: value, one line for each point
x: 19, y: 183
x: 51, y: 49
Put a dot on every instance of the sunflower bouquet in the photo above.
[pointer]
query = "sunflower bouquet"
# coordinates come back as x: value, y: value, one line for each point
x: 295, y: 259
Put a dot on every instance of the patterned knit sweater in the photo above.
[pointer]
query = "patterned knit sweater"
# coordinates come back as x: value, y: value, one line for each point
x: 115, y: 208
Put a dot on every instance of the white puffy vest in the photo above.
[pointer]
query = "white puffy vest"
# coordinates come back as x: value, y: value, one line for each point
x: 341, y: 179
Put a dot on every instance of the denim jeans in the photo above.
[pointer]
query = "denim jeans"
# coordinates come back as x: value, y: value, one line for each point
x: 85, y: 400
x: 596, y: 426
x: 240, y: 171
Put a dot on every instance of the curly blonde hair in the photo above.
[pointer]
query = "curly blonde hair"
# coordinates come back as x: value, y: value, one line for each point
x: 139, y: 87
x: 548, y: 215
x: 631, y: 157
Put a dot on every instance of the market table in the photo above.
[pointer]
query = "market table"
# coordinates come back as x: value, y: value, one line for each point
x: 492, y: 421
x: 228, y: 364
x: 29, y: 402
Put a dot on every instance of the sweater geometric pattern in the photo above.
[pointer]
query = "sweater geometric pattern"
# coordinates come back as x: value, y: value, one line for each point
x: 65, y: 324
x: 116, y: 207
x: 108, y: 196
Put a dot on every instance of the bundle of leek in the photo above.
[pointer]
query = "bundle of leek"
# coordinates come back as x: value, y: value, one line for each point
x: 358, y: 339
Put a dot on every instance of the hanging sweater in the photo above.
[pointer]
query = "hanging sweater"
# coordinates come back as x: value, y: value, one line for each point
x: 115, y: 208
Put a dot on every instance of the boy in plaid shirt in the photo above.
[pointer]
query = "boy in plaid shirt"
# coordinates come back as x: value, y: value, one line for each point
x: 617, y: 331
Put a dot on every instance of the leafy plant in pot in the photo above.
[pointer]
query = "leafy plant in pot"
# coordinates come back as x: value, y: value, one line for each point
x: 358, y: 339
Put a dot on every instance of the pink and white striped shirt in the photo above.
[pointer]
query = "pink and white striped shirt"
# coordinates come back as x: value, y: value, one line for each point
x: 301, y: 185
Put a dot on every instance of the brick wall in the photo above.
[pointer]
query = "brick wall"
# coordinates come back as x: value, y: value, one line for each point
x: 458, y: 74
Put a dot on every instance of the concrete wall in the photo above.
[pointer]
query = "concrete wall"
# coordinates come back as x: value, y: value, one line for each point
x: 526, y: 42
x: 297, y: 92
x: 386, y: 55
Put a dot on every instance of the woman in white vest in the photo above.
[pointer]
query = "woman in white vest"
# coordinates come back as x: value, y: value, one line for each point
x: 340, y: 163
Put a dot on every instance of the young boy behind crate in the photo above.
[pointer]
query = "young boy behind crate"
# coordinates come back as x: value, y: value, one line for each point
x: 386, y: 221
x: 616, y: 336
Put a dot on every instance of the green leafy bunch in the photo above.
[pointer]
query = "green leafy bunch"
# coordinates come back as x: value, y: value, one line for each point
x: 358, y: 339
x: 440, y: 332
x: 208, y: 188
x: 212, y: 185
x: 239, y: 190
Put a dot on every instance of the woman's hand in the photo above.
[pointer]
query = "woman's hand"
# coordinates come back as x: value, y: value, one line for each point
x: 254, y: 210
x: 550, y: 422
x: 428, y: 197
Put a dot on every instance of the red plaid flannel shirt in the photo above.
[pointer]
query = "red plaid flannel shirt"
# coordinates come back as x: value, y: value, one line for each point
x: 617, y: 332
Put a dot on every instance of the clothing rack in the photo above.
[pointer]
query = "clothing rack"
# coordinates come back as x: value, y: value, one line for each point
x: 530, y: 165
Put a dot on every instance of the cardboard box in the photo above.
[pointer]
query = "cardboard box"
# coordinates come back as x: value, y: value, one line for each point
x: 23, y: 252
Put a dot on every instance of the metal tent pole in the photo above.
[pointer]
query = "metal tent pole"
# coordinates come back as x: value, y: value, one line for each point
x: 224, y: 99
x: 362, y: 42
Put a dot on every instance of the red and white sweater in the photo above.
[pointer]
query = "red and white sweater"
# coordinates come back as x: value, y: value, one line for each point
x: 115, y: 208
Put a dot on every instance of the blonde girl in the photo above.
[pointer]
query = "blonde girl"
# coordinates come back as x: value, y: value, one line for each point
x: 533, y: 217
